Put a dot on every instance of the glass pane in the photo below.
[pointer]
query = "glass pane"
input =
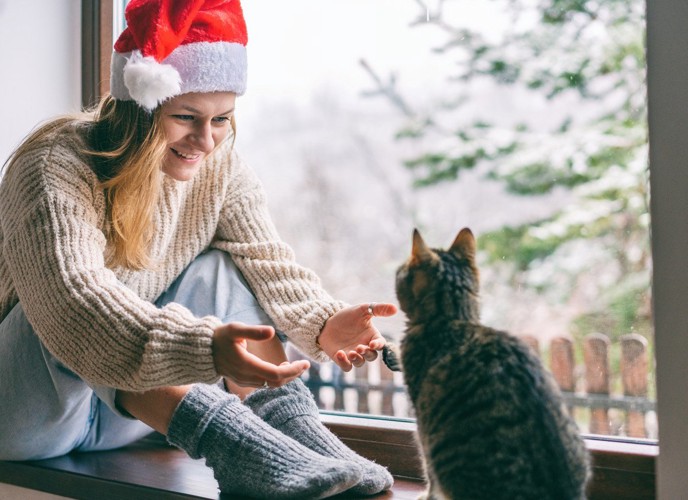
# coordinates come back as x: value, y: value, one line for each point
x: 522, y: 119
x: 118, y: 21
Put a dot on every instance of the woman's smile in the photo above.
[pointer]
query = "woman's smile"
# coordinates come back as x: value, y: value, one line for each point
x: 186, y: 156
x: 194, y: 124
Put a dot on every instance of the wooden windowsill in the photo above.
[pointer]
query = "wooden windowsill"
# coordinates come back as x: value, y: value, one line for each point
x: 621, y: 469
x: 147, y: 470
x: 150, y: 469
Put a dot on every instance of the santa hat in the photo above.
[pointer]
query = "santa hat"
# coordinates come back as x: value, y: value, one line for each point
x: 171, y: 47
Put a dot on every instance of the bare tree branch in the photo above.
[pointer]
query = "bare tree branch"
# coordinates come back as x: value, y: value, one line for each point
x: 388, y: 90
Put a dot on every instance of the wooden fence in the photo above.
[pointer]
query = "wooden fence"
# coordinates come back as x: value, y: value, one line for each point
x: 601, y: 401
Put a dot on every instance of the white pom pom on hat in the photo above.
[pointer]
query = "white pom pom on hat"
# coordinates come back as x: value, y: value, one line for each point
x: 171, y: 47
x: 149, y: 82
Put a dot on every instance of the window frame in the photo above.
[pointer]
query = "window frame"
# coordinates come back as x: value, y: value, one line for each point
x: 96, y: 49
x: 667, y: 77
x: 621, y: 469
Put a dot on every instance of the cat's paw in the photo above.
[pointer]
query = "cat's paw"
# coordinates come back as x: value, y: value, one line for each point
x: 391, y: 357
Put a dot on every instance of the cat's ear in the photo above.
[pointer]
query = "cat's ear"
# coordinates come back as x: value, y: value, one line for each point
x: 464, y: 244
x: 420, y: 251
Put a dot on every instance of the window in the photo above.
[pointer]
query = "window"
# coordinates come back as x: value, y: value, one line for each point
x: 512, y: 145
x: 351, y: 149
x: 500, y: 118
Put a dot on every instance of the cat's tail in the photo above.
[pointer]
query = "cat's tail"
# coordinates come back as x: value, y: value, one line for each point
x: 391, y: 356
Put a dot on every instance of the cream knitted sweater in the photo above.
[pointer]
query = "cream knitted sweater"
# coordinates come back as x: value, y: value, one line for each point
x: 101, y: 322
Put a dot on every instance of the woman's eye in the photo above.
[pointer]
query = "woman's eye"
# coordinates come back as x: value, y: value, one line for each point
x: 183, y: 117
x: 221, y: 119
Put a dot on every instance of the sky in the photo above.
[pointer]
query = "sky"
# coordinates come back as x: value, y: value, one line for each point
x: 294, y: 46
x: 297, y: 46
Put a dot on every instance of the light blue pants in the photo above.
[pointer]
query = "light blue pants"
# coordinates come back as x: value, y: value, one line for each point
x: 46, y: 410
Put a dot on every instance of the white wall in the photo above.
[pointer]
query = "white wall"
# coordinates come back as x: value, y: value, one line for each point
x: 40, y: 75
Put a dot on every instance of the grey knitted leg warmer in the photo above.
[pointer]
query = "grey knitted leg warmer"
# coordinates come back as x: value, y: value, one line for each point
x: 291, y: 409
x: 248, y: 457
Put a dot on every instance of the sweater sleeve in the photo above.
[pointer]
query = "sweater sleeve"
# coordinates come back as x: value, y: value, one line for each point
x: 291, y: 295
x: 89, y: 320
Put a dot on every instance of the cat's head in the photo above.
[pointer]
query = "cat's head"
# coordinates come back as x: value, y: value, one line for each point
x: 434, y: 282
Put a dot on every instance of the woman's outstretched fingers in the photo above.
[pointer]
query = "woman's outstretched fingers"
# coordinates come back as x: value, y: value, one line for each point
x: 249, y: 332
x: 377, y: 344
x: 370, y: 355
x: 356, y: 359
x: 367, y: 353
x: 274, y: 375
x: 342, y: 361
x: 284, y: 372
x: 381, y: 309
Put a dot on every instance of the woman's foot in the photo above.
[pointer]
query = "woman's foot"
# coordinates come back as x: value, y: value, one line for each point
x: 249, y: 457
x: 292, y: 410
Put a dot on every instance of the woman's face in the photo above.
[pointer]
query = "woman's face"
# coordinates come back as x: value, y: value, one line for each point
x: 194, y: 124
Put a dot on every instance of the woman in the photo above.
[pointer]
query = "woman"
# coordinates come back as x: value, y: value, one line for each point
x: 141, y: 277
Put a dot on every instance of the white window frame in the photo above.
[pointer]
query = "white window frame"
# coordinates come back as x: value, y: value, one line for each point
x: 667, y: 56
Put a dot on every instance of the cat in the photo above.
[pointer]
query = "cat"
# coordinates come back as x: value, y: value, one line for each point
x: 491, y: 420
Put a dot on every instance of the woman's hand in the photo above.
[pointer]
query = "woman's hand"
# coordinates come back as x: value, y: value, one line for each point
x: 349, y: 337
x: 233, y: 361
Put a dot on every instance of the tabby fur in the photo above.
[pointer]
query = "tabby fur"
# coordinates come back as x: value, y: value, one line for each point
x: 491, y: 421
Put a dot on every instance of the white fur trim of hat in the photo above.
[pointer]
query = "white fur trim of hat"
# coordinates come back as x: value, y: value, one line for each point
x: 166, y: 52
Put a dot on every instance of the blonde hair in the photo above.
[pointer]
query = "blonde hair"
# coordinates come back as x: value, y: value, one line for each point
x: 128, y: 145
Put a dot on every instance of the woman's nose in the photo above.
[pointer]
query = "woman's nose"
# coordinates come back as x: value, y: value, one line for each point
x: 203, y: 137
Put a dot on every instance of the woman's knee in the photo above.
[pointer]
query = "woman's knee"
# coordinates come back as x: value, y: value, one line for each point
x: 213, y: 285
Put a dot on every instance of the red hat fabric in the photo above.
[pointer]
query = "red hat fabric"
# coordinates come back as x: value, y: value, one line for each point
x: 172, y: 47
